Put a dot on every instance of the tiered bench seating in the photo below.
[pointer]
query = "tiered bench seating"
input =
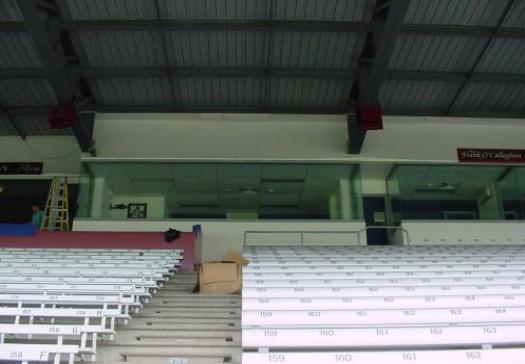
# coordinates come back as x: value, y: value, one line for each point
x: 392, y: 304
x: 55, y: 304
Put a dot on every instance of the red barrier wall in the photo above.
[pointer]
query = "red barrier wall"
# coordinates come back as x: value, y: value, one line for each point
x: 105, y: 240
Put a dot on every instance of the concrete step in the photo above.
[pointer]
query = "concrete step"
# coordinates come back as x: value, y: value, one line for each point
x: 128, y: 353
x: 139, y: 333
x: 163, y: 304
x: 177, y: 326
x: 193, y: 315
x: 173, y: 360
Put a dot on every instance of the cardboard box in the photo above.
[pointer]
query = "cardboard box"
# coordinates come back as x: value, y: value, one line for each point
x: 222, y: 277
x: 233, y: 256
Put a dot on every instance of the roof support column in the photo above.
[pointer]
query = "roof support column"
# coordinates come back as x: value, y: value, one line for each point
x: 44, y: 25
x: 373, y: 63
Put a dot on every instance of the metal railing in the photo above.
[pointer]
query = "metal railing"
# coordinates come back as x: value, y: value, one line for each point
x: 360, y: 235
x: 389, y: 227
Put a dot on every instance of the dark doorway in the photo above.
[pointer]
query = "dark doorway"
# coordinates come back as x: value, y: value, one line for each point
x: 18, y: 195
x: 374, y: 209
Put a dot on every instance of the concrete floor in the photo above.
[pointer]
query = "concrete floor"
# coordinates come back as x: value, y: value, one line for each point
x: 179, y: 327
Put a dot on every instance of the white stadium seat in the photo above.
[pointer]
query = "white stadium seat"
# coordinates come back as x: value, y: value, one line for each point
x: 37, y: 353
x: 79, y: 295
x: 507, y: 356
x: 302, y: 303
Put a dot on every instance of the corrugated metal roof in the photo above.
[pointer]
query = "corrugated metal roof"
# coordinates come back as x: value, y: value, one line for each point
x: 123, y: 48
x: 504, y: 55
x: 417, y: 95
x: 488, y: 96
x: 455, y: 12
x: 112, y: 9
x: 134, y: 91
x: 9, y: 10
x: 5, y: 127
x: 330, y: 10
x: 516, y: 16
x: 214, y: 9
x: 240, y: 49
x: 436, y: 53
x: 26, y: 92
x: 17, y: 50
x: 309, y: 92
x: 216, y: 48
x: 315, y: 49
x: 249, y: 49
x: 219, y: 92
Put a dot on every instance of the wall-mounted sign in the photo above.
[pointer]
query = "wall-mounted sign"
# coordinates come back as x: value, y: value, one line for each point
x: 137, y: 211
x: 12, y: 168
x: 477, y: 155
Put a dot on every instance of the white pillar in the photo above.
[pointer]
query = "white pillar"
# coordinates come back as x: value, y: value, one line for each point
x: 333, y: 207
x: 489, y: 202
x: 345, y: 199
x: 99, y: 197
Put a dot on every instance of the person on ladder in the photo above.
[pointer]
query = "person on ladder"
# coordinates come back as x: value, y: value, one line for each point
x: 38, y: 215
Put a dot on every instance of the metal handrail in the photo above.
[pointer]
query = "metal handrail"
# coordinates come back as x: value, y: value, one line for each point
x: 301, y: 233
x: 388, y: 227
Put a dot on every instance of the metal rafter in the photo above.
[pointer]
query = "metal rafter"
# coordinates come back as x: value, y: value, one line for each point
x: 221, y: 72
x: 386, y: 25
x: 41, y: 110
x: 44, y: 24
x: 456, y: 113
x: 266, y: 73
x: 35, y: 110
x: 463, y: 30
x: 171, y: 24
x: 480, y: 56
x: 269, y: 25
x: 90, y: 92
x: 164, y: 40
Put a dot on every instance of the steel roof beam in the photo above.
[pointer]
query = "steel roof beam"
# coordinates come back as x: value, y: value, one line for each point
x: 164, y: 24
x: 81, y: 57
x: 44, y: 26
x: 437, y: 76
x: 456, y: 113
x: 216, y: 25
x: 36, y: 110
x: 42, y: 110
x: 193, y: 72
x: 265, y: 25
x: 165, y: 52
x: 463, y: 30
x: 219, y: 72
x: 479, y: 58
x: 386, y: 25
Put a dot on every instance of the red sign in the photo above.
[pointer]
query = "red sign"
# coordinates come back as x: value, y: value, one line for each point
x: 477, y: 155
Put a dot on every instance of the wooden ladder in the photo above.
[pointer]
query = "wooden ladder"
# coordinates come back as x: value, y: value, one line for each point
x: 56, y: 213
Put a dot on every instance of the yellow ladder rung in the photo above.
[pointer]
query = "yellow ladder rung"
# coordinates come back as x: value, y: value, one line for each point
x: 56, y: 214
